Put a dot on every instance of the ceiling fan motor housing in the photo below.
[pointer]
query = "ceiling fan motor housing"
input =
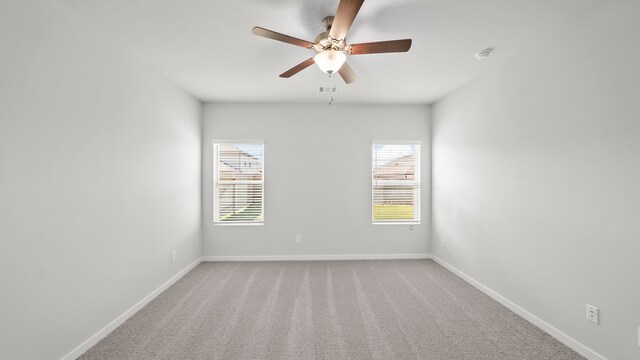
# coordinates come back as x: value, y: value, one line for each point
x: 324, y: 42
x: 327, y: 22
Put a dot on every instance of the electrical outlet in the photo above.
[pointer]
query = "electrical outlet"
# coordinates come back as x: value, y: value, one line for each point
x: 411, y: 227
x: 593, y: 314
x: 298, y: 239
x: 442, y: 243
x: 173, y: 256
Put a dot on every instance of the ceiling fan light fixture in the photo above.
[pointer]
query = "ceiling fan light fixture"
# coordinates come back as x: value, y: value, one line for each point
x: 330, y: 61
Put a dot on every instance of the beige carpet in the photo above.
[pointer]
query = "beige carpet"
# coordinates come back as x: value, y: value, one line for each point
x: 395, y: 309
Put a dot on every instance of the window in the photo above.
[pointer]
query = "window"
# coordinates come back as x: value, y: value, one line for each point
x: 395, y: 178
x: 238, y: 182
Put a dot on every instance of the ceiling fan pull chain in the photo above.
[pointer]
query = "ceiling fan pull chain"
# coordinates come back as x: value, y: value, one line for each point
x: 332, y: 89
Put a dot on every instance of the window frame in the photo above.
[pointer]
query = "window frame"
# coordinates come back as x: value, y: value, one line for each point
x: 417, y: 181
x: 215, y: 182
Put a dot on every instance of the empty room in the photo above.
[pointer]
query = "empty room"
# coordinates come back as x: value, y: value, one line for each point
x: 319, y: 179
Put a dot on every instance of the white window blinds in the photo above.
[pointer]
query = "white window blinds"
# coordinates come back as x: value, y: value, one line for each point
x: 238, y: 182
x: 395, y: 182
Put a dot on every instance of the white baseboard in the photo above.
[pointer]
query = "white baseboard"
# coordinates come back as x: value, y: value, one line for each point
x: 82, y: 348
x: 549, y: 329
x: 317, y: 257
x: 562, y: 337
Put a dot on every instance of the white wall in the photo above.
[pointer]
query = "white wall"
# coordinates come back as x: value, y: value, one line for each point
x: 536, y: 179
x: 317, y: 178
x: 99, y: 180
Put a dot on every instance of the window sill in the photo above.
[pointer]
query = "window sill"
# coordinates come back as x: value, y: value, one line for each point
x: 397, y: 223
x: 237, y: 224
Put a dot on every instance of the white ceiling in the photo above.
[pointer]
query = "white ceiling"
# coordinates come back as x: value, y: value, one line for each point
x: 206, y: 46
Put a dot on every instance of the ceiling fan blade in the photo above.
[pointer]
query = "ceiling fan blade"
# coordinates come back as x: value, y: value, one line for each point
x: 380, y: 47
x: 346, y: 13
x: 281, y: 37
x: 347, y: 74
x: 296, y: 69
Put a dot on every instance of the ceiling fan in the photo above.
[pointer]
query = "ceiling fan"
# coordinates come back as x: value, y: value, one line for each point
x: 331, y: 46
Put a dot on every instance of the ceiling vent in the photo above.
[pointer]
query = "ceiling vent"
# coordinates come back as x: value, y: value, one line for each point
x: 327, y: 89
x: 484, y: 53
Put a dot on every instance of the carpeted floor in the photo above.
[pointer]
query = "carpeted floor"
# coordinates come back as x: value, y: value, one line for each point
x: 387, y: 309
